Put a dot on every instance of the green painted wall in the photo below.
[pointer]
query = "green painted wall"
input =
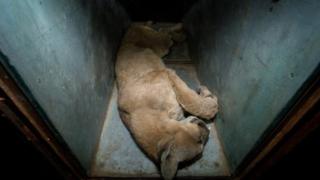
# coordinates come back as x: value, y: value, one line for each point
x: 63, y: 51
x: 255, y: 55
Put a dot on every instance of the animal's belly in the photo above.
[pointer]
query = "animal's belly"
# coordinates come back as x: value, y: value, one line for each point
x: 157, y: 95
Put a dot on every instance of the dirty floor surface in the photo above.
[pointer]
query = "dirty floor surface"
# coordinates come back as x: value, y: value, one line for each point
x: 119, y: 156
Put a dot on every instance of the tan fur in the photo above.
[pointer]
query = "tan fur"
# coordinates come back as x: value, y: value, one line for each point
x: 151, y: 98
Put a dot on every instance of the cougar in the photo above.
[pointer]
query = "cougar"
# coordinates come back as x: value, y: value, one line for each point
x: 152, y: 100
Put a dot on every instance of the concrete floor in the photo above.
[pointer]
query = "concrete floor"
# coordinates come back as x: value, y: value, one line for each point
x: 119, y: 156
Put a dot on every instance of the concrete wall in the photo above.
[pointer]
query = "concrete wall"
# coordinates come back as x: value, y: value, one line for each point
x: 255, y: 55
x: 62, y: 51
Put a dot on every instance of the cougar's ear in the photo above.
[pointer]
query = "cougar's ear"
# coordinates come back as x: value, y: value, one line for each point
x: 168, y: 162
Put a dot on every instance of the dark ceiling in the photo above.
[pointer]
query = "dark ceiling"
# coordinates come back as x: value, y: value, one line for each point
x: 157, y: 10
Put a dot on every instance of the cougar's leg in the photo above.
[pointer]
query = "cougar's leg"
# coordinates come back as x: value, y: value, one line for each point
x: 204, y: 105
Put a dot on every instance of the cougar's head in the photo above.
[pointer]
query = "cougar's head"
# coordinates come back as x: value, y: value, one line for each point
x: 185, y: 145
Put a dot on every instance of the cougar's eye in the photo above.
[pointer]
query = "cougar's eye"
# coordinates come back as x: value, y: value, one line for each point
x: 194, y: 120
x: 199, y: 122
